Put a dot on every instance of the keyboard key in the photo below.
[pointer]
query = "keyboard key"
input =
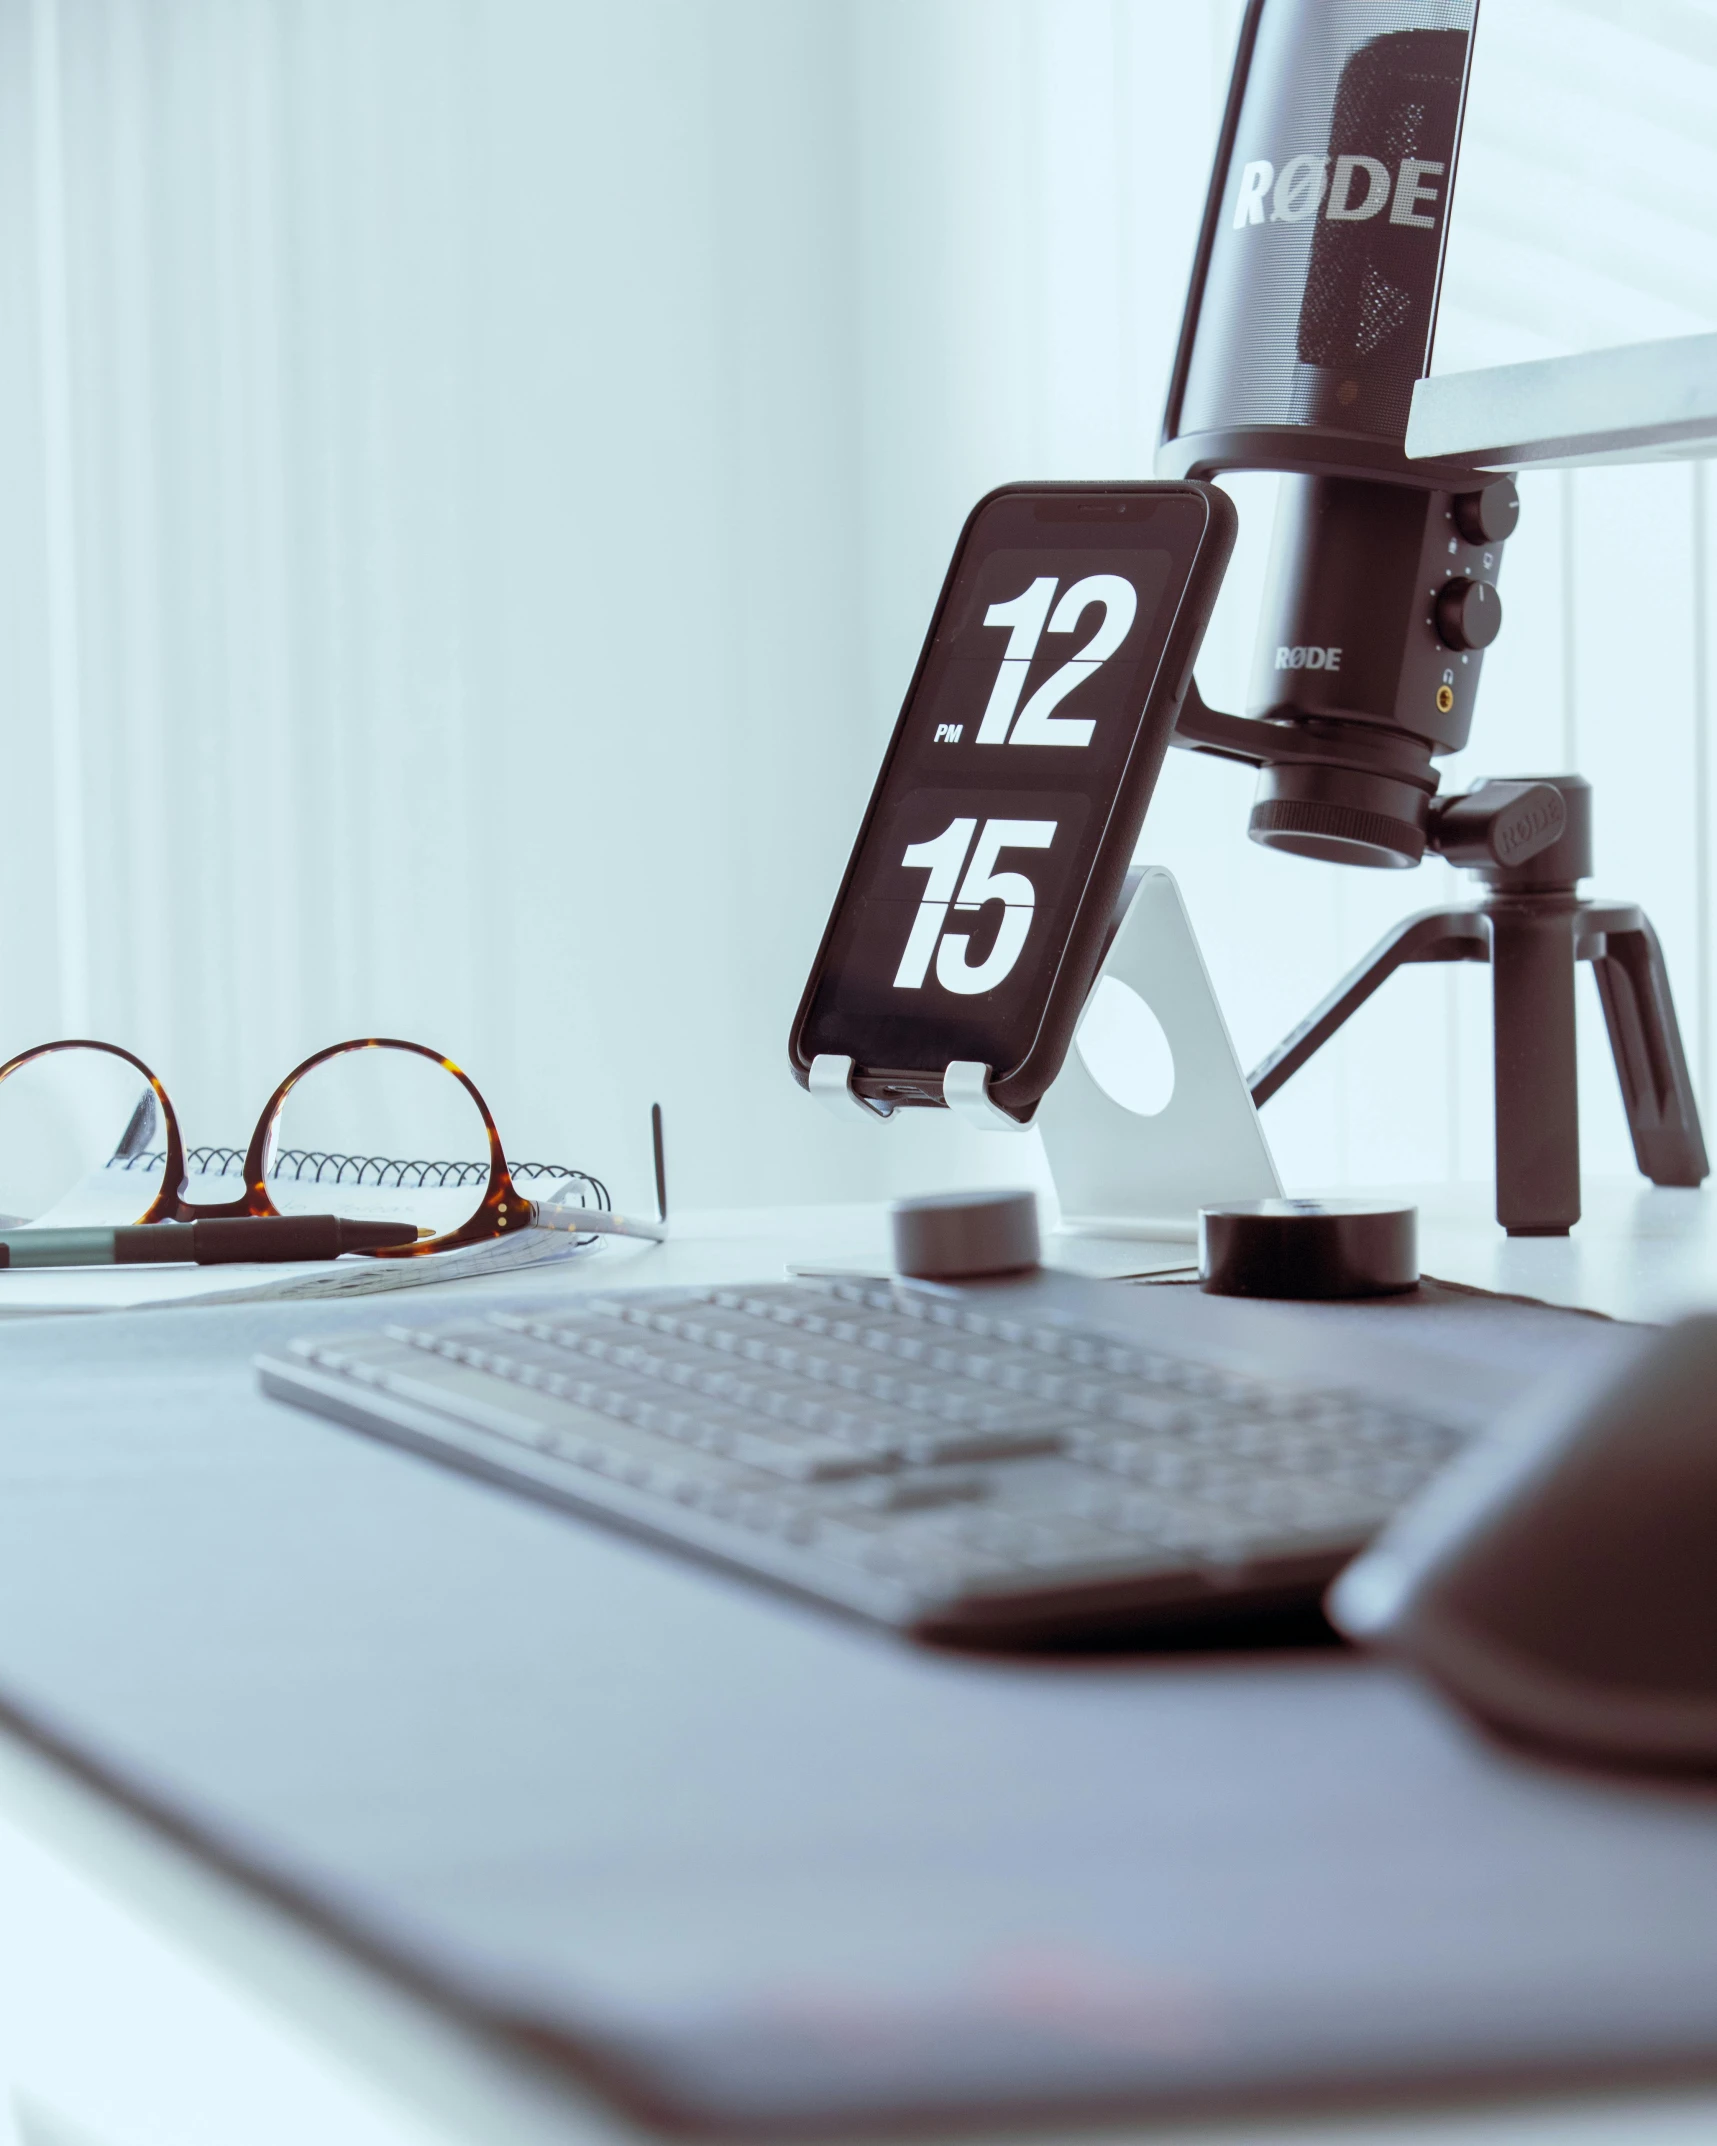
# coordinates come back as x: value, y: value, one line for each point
x: 977, y: 1442
x: 908, y: 1493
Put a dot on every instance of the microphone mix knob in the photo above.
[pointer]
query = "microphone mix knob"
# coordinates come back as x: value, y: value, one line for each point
x: 1468, y: 614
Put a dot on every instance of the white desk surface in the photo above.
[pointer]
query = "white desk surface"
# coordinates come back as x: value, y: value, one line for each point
x: 148, y: 2000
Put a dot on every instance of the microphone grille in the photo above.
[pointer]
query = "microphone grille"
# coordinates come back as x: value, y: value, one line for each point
x: 1372, y: 278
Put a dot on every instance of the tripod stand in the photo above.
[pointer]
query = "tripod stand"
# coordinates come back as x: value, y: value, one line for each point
x: 1531, y: 845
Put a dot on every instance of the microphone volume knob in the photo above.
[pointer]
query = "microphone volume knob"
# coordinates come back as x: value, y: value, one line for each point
x: 1468, y: 614
x: 1489, y: 515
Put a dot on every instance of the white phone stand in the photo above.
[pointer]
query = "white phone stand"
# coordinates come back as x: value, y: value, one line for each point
x: 1141, y: 1167
x: 1125, y: 1172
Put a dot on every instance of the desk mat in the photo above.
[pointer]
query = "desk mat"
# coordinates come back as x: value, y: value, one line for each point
x: 757, y: 1870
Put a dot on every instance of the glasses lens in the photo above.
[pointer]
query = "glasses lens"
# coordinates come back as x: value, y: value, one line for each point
x: 82, y: 1140
x: 382, y: 1134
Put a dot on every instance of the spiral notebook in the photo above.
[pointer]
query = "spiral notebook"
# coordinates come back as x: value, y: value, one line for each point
x: 358, y: 1186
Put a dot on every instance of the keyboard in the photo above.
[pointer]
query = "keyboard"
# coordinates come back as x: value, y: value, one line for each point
x: 955, y: 1467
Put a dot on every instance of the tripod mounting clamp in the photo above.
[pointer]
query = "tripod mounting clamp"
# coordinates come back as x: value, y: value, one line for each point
x: 1502, y: 826
x: 1361, y: 793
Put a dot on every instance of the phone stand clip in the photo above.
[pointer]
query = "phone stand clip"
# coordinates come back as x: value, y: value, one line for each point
x: 966, y: 1091
x: 830, y: 1081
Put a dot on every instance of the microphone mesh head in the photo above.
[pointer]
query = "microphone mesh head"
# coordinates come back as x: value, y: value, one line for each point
x: 1317, y: 305
x: 1368, y: 297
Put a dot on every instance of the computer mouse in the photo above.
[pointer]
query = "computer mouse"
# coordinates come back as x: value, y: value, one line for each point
x: 1560, y: 1581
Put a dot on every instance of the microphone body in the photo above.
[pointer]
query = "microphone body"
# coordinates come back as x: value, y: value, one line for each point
x: 1308, y: 322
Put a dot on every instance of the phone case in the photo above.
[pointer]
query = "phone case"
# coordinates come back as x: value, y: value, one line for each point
x: 1017, y: 1089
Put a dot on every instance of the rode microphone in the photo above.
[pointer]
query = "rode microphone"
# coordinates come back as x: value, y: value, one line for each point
x: 1309, y: 319
x: 1313, y: 299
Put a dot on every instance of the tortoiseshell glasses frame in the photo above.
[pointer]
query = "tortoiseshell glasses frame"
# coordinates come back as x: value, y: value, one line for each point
x: 502, y: 1209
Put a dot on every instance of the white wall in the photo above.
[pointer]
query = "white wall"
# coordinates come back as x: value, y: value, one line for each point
x: 473, y: 480
x: 457, y: 436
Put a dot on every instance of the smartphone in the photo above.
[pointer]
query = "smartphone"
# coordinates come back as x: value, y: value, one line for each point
x: 975, y: 908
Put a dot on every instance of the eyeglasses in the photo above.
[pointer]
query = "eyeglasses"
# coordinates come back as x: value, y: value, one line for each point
x: 89, y: 1135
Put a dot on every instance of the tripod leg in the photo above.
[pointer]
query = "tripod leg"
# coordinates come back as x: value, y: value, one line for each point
x: 1432, y: 935
x: 1537, y: 1091
x: 1645, y: 1038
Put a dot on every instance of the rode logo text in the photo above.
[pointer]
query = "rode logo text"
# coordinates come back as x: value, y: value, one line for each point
x: 1308, y: 659
x: 1358, y: 188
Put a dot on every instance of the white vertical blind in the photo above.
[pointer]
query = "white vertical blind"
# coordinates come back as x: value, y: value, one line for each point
x: 472, y: 483
x: 1586, y: 212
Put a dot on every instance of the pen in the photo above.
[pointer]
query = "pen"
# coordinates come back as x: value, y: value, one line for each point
x: 210, y: 1244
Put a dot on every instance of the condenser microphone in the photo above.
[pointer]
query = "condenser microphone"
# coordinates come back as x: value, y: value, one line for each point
x: 1309, y: 319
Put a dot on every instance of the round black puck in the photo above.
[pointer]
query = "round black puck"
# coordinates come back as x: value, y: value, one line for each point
x: 1308, y: 1249
x: 954, y: 1236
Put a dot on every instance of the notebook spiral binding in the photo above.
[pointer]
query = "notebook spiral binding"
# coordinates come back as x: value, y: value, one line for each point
x: 312, y: 1166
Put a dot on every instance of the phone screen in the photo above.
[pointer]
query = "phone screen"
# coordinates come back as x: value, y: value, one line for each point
x: 1002, y: 780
